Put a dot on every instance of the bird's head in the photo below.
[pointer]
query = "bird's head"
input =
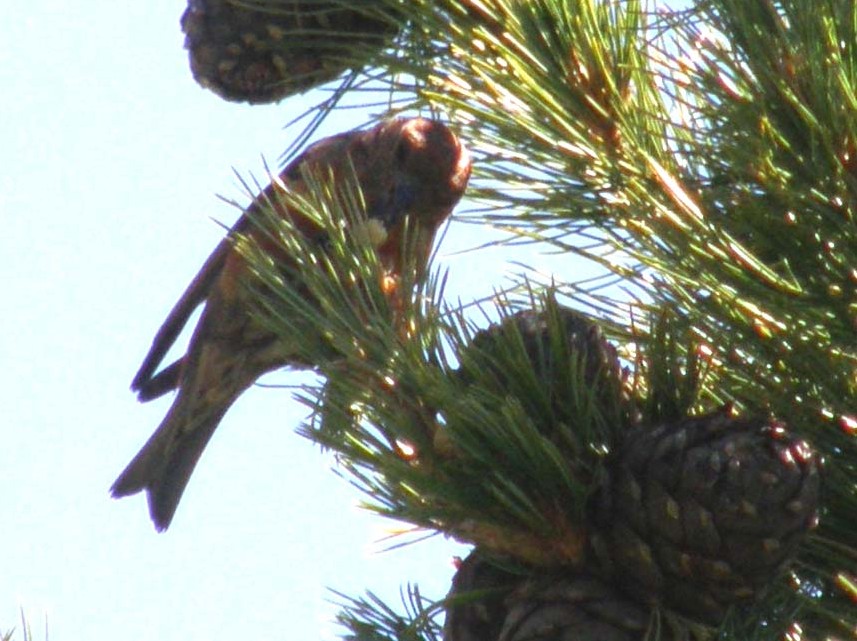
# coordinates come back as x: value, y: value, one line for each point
x: 414, y: 167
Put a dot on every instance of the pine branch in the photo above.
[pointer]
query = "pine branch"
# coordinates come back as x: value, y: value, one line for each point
x: 370, y: 619
x: 712, y: 173
x: 722, y: 163
x: 393, y: 407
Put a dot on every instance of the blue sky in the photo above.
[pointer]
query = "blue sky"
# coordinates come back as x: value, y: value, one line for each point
x: 111, y: 161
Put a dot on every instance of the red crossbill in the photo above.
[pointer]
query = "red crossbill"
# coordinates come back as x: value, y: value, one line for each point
x: 413, y: 169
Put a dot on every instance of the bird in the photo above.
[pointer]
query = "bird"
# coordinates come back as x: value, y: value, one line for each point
x: 408, y: 169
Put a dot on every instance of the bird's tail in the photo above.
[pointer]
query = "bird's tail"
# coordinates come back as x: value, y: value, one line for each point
x: 165, y: 463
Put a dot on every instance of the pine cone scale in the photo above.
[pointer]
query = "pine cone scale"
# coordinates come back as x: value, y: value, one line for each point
x: 257, y: 55
x: 716, y: 532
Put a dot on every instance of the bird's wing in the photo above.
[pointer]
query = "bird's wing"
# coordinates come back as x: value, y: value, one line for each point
x: 148, y: 382
x: 195, y: 294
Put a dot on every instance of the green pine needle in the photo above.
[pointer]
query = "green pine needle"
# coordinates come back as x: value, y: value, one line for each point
x: 706, y: 161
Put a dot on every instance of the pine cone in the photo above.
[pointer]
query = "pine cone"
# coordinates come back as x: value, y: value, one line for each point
x: 704, y: 513
x: 576, y: 608
x: 244, y: 52
x: 476, y: 609
x: 488, y: 603
x: 562, y: 346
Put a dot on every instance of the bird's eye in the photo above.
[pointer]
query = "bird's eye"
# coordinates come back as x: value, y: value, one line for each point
x: 402, y: 151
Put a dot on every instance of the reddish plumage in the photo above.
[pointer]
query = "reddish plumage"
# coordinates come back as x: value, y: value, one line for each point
x: 412, y: 169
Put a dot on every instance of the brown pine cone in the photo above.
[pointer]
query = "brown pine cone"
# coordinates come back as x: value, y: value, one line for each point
x: 562, y: 347
x: 244, y: 52
x: 577, y: 608
x: 488, y: 603
x: 476, y: 609
x: 704, y: 513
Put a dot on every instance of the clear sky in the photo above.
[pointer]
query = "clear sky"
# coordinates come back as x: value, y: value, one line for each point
x: 111, y: 158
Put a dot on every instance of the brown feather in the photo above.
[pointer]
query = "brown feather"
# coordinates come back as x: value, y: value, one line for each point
x: 412, y: 169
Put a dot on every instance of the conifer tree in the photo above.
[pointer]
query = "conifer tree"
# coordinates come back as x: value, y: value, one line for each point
x: 706, y: 160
